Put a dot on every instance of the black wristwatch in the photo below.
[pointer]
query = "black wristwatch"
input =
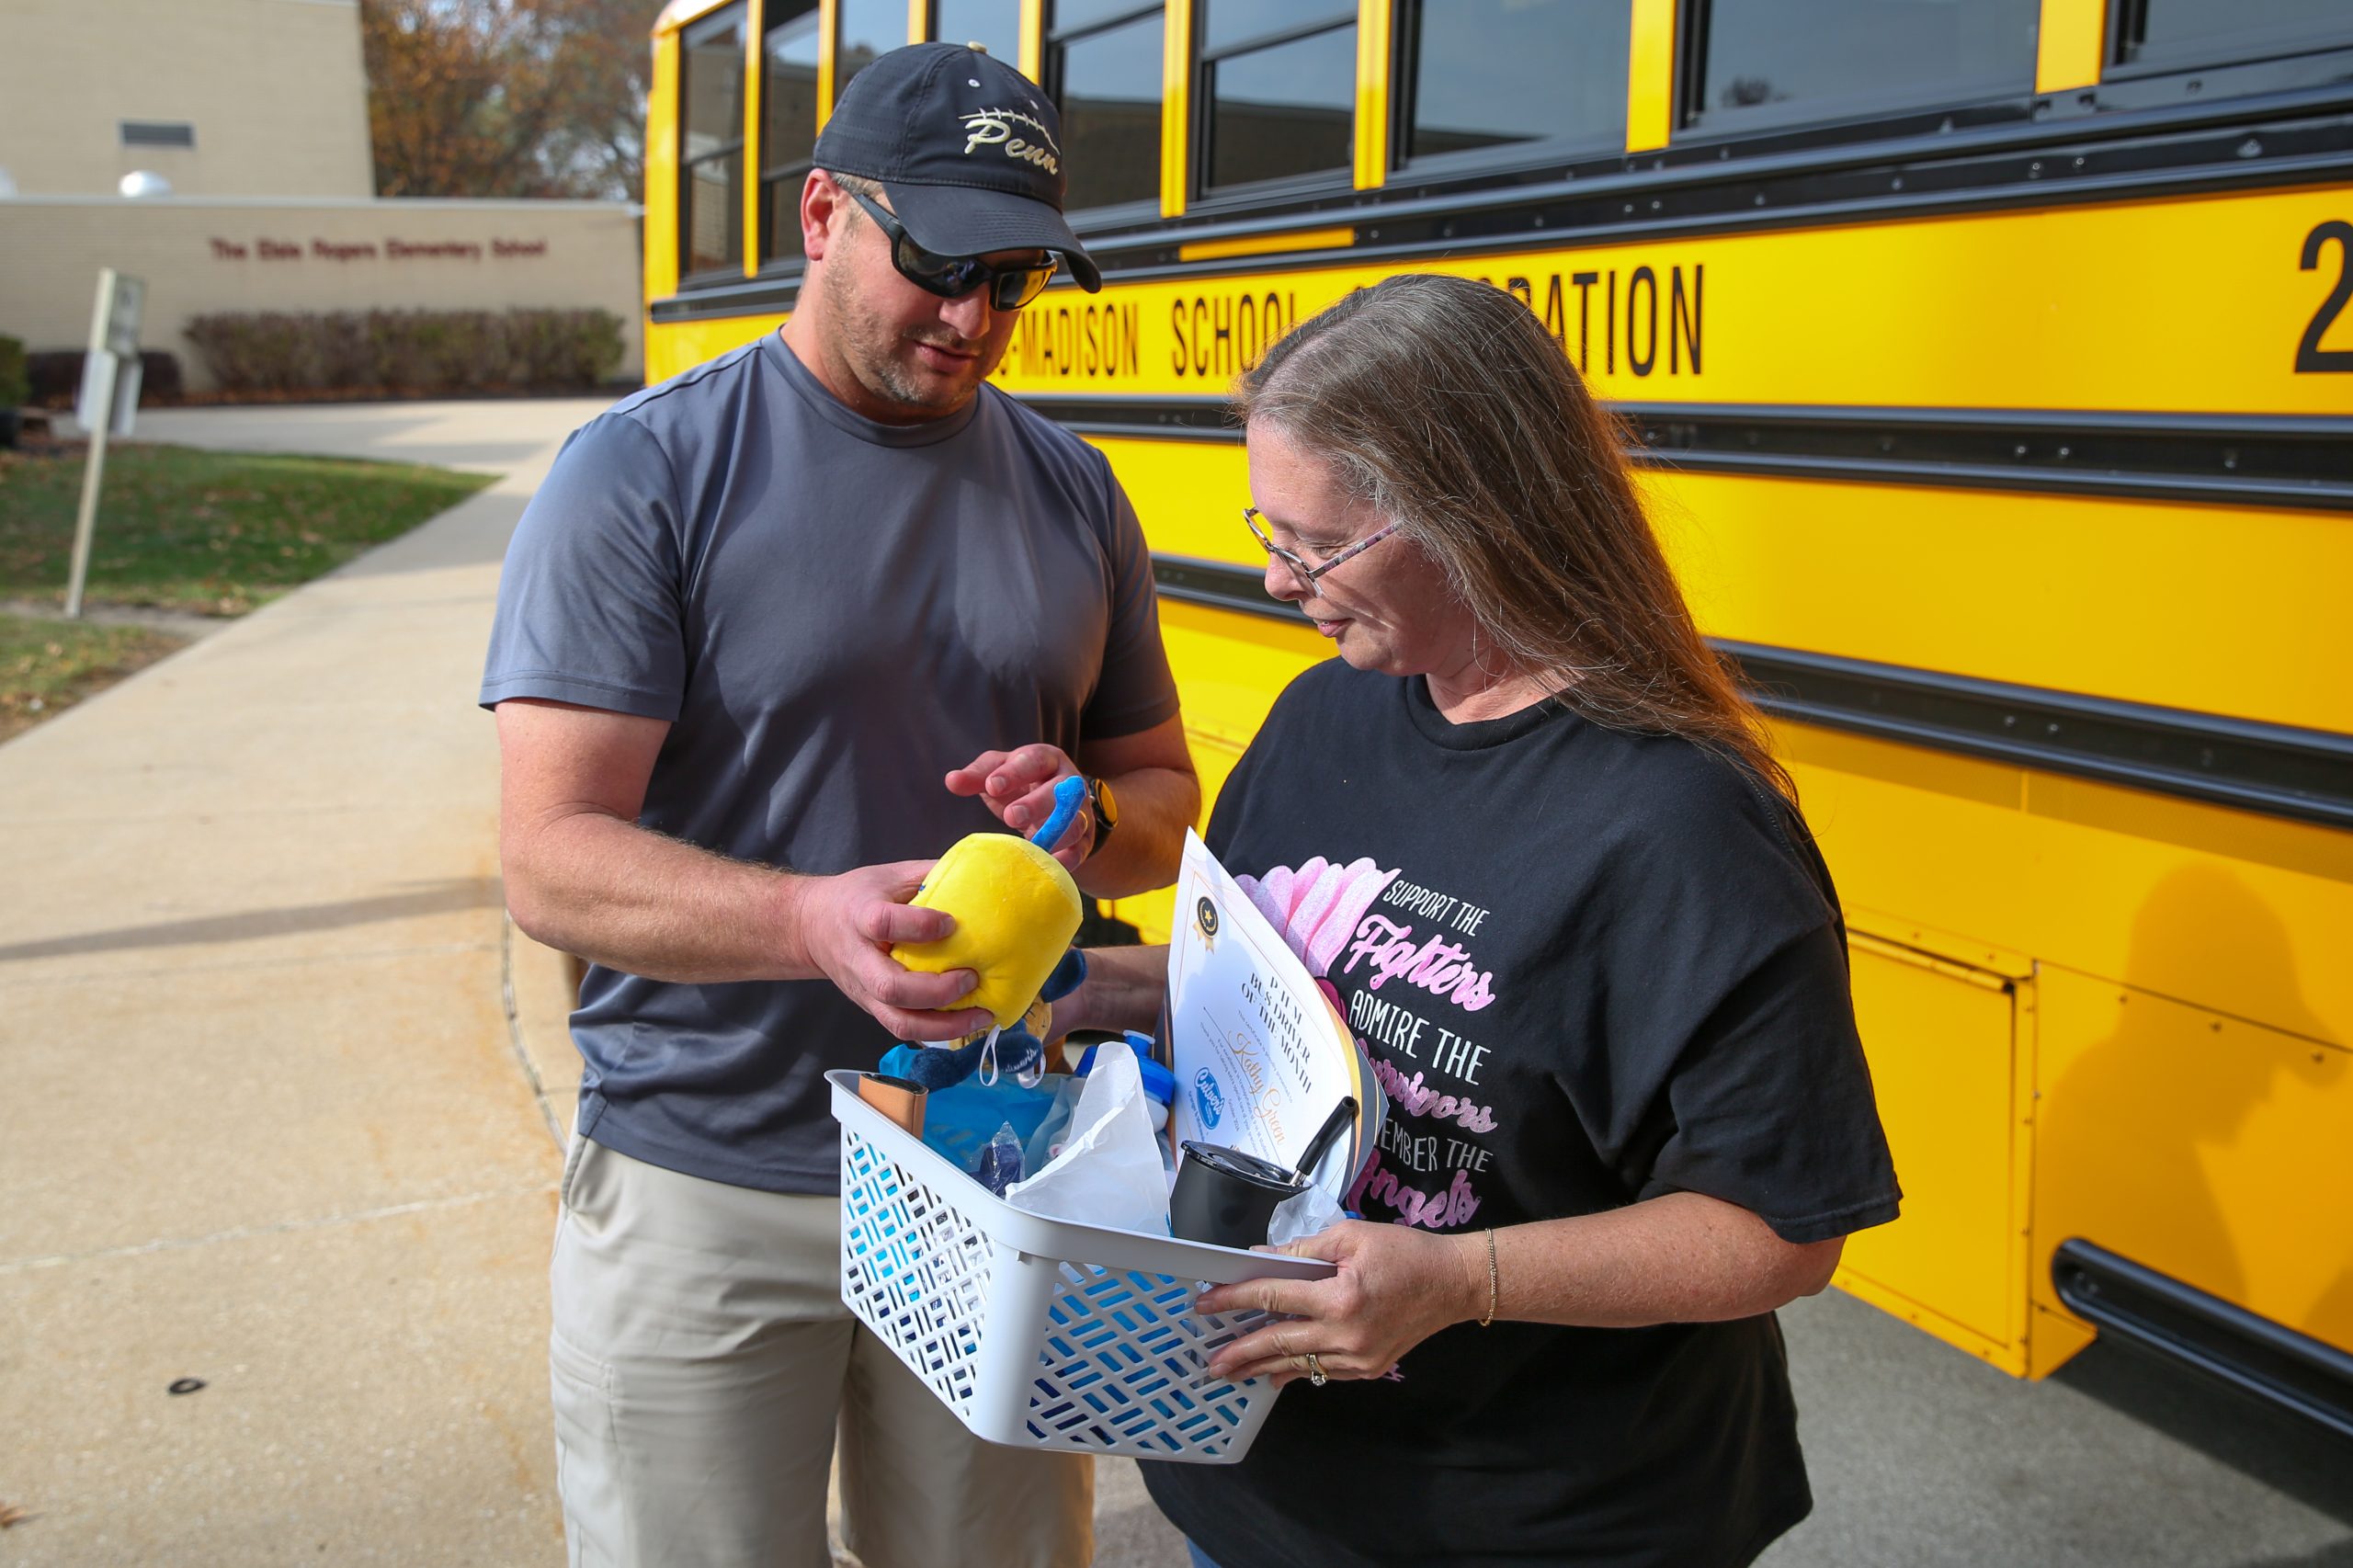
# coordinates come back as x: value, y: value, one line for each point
x: 1107, y: 810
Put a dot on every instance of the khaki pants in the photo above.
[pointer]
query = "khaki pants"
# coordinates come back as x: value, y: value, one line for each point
x: 702, y: 1361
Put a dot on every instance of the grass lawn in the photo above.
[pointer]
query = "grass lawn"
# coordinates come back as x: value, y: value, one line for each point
x: 211, y: 533
x: 46, y: 666
x: 196, y: 533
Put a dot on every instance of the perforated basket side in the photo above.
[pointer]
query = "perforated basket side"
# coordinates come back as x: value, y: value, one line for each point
x: 1027, y: 1345
x: 1120, y: 1357
x: 915, y: 1270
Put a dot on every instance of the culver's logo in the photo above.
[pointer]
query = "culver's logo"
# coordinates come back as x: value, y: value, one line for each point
x: 996, y: 127
x: 1207, y: 1099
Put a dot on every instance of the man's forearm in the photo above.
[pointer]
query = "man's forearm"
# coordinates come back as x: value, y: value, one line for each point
x: 1156, y: 806
x: 635, y: 901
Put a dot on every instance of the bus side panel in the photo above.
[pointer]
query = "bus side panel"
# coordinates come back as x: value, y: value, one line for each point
x: 2204, y: 1141
x: 1190, y: 496
x: 674, y: 347
x: 1943, y: 1042
x: 2202, y: 1146
x: 2229, y: 610
x: 2069, y: 871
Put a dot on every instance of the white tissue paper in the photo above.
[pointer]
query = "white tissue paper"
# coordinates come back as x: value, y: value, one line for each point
x: 1108, y: 1173
x: 1302, y: 1214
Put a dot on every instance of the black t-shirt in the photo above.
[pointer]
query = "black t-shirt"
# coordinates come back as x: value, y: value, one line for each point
x: 1590, y: 968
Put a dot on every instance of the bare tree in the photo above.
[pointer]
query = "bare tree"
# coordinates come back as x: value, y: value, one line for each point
x: 508, y: 98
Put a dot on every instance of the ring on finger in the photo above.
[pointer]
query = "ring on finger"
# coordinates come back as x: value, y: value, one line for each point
x: 1315, y: 1371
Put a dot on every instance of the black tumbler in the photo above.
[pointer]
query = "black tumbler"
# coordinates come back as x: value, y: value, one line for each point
x: 1225, y: 1197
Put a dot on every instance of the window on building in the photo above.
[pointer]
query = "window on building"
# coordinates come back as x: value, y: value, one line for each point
x: 994, y: 25
x: 1771, y: 62
x: 1277, y: 89
x: 787, y: 124
x: 2187, y: 33
x: 710, y: 173
x: 865, y: 28
x: 1474, y: 74
x: 158, y: 134
x: 1103, y: 67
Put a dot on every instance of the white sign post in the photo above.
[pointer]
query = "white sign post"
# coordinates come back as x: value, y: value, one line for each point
x: 109, y: 397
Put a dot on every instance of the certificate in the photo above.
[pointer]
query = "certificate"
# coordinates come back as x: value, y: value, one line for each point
x: 1260, y: 1052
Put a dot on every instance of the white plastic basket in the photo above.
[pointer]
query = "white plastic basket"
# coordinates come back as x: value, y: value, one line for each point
x: 1042, y: 1333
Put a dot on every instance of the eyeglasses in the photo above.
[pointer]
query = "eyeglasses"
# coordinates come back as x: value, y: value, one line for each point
x: 1300, y: 571
x: 953, y: 276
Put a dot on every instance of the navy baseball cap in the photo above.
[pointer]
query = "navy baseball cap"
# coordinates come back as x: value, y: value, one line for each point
x: 968, y: 148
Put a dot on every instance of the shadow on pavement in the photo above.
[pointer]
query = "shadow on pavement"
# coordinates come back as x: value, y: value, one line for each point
x: 2285, y: 1452
x: 434, y: 898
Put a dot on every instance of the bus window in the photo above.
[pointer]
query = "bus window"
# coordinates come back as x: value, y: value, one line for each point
x: 1481, y: 74
x: 2176, y: 33
x: 710, y: 237
x: 787, y: 124
x: 1278, y: 78
x: 994, y: 25
x: 1103, y: 67
x: 865, y: 28
x: 1772, y: 62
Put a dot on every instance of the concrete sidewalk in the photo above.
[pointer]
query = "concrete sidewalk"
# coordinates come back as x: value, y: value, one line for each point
x: 269, y: 1122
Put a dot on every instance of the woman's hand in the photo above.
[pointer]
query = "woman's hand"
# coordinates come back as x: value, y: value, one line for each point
x: 1397, y: 1287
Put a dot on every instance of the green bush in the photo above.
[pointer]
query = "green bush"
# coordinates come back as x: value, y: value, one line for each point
x: 15, y: 385
x: 56, y: 375
x: 563, y: 348
x: 408, y: 353
x: 264, y: 351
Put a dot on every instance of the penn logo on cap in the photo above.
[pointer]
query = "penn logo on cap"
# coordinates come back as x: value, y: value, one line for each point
x: 994, y: 128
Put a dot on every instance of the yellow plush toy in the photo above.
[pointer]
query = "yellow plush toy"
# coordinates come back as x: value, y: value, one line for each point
x: 1015, y: 910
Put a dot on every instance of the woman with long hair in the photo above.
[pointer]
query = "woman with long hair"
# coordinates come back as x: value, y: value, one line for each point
x: 1527, y: 830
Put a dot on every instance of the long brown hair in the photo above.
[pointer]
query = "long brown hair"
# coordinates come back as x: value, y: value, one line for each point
x: 1445, y: 404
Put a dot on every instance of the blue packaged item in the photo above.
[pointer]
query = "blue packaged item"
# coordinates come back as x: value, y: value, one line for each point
x: 960, y: 1119
x: 1000, y: 1164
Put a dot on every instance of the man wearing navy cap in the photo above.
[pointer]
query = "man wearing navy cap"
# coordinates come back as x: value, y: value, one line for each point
x: 771, y: 636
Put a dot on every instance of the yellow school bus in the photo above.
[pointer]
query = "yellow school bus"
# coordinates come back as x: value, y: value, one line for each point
x: 1989, y: 368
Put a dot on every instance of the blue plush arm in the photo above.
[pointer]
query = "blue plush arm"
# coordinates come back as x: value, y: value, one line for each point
x: 1018, y: 1050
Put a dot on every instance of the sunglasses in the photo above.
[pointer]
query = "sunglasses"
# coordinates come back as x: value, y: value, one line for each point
x: 953, y: 276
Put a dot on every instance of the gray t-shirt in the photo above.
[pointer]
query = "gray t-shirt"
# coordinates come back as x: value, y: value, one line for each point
x: 831, y: 613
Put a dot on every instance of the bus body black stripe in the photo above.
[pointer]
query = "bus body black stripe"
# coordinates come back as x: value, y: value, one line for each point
x: 2275, y: 770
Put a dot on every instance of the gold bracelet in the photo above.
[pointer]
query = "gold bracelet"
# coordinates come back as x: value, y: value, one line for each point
x: 1488, y: 1320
